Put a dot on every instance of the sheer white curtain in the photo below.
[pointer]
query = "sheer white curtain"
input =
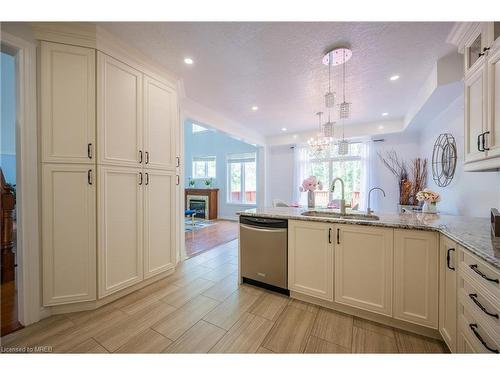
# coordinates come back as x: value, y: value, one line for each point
x: 300, y: 171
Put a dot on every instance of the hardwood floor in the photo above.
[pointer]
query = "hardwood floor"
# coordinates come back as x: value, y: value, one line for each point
x: 202, y: 309
x: 209, y: 237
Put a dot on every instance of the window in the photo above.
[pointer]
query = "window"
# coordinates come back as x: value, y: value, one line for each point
x: 204, y: 167
x: 350, y: 168
x: 242, y: 178
x: 198, y: 129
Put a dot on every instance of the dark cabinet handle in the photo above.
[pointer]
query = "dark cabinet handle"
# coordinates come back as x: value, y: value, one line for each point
x: 329, y: 235
x: 147, y: 178
x: 89, y: 176
x: 484, y: 141
x: 479, y: 142
x: 140, y: 178
x: 473, y: 297
x: 473, y: 328
x: 89, y: 150
x: 177, y: 179
x: 338, y: 236
x: 147, y: 157
x: 177, y: 161
x: 476, y: 270
x: 140, y: 156
x: 448, y: 258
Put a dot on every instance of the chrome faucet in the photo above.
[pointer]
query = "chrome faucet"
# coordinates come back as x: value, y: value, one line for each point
x: 342, y: 201
x: 369, y: 211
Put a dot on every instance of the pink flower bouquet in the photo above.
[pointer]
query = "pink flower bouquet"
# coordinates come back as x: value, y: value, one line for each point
x: 311, y: 184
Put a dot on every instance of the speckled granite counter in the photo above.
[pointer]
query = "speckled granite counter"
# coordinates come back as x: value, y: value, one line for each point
x: 472, y: 233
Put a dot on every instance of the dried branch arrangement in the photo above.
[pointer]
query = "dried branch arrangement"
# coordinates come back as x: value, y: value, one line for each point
x: 410, y: 183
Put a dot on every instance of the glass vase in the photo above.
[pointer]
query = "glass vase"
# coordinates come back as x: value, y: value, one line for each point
x: 310, y: 199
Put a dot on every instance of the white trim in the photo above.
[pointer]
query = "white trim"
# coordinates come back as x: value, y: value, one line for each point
x: 459, y: 34
x: 28, y: 241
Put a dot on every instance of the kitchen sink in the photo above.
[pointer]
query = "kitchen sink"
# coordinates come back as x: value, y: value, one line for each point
x: 338, y: 215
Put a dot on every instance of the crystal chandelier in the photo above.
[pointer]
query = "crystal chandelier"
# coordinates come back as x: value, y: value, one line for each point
x: 328, y: 127
x: 319, y: 143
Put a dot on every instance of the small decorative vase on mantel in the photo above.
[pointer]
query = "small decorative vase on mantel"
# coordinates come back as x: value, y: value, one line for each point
x: 310, y: 199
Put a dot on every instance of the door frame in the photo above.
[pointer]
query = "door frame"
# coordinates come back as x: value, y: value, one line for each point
x: 28, y: 235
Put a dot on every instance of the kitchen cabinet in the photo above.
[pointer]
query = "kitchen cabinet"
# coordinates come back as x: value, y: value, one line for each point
x: 159, y: 214
x: 119, y: 113
x: 363, y: 267
x: 160, y: 124
x: 416, y: 277
x: 68, y: 233
x: 120, y: 227
x: 480, y: 44
x: 448, y: 265
x: 67, y: 103
x: 475, y: 113
x: 310, y: 258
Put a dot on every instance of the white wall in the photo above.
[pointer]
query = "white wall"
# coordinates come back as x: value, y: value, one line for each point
x: 469, y: 193
x: 280, y: 175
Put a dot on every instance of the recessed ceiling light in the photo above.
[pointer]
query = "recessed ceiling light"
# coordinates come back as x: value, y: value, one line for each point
x: 394, y: 77
x: 255, y: 108
x: 188, y: 61
x: 284, y: 129
x: 385, y: 114
x: 380, y: 127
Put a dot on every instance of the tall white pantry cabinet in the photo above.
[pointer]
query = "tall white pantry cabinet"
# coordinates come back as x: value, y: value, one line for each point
x: 109, y: 135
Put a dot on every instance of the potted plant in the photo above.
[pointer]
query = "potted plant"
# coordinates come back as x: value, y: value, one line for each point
x: 191, y: 182
x: 430, y: 199
x: 209, y: 182
x: 310, y: 185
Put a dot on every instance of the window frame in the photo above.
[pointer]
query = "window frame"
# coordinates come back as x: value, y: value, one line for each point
x: 242, y: 164
x: 204, y: 159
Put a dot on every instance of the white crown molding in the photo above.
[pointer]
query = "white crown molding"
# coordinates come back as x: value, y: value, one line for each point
x: 461, y: 33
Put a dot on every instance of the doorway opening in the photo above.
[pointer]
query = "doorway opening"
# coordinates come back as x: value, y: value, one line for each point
x: 8, y: 206
x: 221, y: 175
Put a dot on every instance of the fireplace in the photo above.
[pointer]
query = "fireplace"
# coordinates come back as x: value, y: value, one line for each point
x: 199, y: 204
x: 203, y: 201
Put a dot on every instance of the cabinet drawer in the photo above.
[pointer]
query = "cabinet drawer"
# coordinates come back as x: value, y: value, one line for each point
x: 479, y: 335
x: 478, y: 302
x: 485, y: 275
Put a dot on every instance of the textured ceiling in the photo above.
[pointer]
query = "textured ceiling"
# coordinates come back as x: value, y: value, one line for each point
x: 277, y: 66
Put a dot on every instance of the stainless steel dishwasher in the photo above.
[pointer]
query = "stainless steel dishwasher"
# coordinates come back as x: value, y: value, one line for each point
x: 264, y: 252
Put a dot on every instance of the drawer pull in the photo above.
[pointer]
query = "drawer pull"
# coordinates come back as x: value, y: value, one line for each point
x: 473, y: 328
x: 473, y: 297
x: 475, y: 269
x: 448, y: 258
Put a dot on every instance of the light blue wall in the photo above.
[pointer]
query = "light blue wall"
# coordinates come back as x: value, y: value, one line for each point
x: 8, y: 118
x: 214, y: 143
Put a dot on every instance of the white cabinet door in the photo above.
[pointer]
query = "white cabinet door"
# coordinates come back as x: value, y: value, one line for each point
x: 119, y: 113
x: 67, y: 103
x: 68, y: 233
x: 475, y: 112
x: 160, y: 125
x: 493, y: 121
x: 159, y: 221
x: 120, y: 218
x: 448, y: 266
x: 363, y: 267
x: 416, y: 277
x: 310, y: 258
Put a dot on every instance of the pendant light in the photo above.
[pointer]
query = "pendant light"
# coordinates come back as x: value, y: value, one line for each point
x: 344, y: 111
x: 328, y: 127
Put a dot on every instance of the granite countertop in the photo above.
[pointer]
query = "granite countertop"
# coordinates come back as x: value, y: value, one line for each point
x: 472, y: 233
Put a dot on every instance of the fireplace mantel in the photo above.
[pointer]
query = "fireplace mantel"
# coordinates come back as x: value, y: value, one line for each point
x: 211, y: 194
